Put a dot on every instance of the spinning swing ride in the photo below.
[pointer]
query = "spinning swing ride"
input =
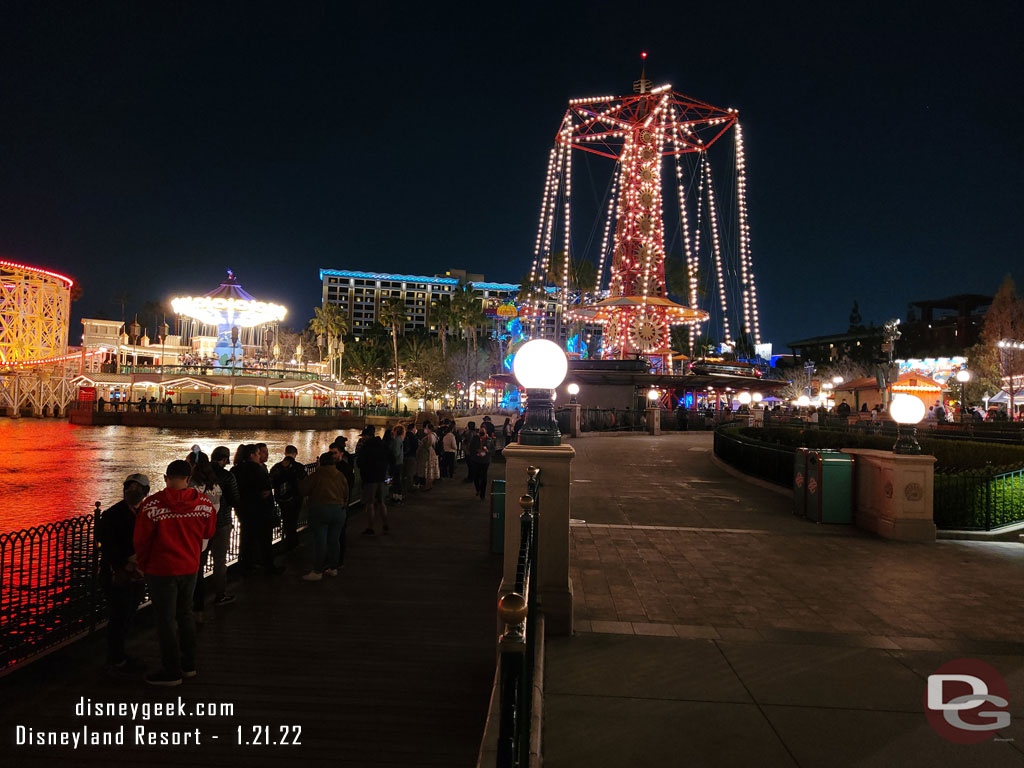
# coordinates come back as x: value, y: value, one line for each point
x: 640, y: 133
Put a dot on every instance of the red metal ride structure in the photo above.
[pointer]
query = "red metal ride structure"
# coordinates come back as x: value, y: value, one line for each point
x: 639, y: 132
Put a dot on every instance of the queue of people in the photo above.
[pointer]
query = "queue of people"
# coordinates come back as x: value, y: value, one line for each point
x: 164, y: 540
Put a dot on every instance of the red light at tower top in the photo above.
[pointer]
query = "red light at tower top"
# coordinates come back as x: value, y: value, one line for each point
x: 643, y: 54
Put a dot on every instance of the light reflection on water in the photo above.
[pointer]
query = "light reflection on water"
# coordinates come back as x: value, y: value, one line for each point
x: 52, y: 470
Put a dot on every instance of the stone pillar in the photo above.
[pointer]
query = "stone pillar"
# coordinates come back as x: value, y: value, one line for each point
x: 575, y: 417
x: 552, y: 575
x: 654, y: 421
x: 894, y: 494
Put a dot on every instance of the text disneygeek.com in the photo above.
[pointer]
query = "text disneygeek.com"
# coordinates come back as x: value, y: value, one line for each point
x: 144, y: 733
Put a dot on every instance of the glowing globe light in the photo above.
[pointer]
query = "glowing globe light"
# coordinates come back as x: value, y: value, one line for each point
x: 540, y: 364
x: 745, y: 398
x: 803, y: 401
x: 906, y: 409
x: 653, y: 395
x: 757, y: 397
x: 837, y: 379
x: 963, y: 376
x: 574, y: 389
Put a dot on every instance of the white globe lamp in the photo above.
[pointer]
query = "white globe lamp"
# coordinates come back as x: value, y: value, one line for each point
x: 906, y: 411
x: 963, y: 376
x: 745, y: 398
x: 757, y: 397
x: 653, y: 395
x: 803, y: 401
x: 574, y: 389
x: 540, y: 366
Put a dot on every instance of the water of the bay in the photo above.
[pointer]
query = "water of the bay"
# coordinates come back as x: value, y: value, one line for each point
x: 51, y: 470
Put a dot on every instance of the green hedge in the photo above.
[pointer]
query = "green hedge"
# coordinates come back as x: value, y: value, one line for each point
x: 952, y: 454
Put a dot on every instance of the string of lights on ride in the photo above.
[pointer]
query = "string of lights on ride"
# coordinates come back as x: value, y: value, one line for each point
x: 717, y: 250
x: 750, y: 313
x: 568, y: 198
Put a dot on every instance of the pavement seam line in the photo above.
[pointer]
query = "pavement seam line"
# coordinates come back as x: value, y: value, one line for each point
x: 760, y: 709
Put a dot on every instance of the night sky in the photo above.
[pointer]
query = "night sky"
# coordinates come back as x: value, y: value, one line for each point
x: 148, y: 146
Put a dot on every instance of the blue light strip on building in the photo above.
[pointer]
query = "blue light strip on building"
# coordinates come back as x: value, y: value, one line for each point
x: 386, y: 276
x: 425, y: 279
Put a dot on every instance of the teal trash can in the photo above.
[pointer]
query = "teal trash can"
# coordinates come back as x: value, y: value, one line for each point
x: 830, y: 487
x: 800, y: 482
x: 497, y: 516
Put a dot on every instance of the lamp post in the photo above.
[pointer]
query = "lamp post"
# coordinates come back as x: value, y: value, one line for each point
x: 574, y: 389
x: 891, y: 333
x: 906, y: 411
x: 539, y: 366
x: 963, y: 376
x: 234, y: 347
x: 809, y: 370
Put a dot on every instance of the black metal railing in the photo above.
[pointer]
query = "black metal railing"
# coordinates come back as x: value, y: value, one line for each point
x: 978, y: 499
x: 217, y: 409
x: 212, y: 370
x: 984, y: 499
x: 768, y: 462
x: 50, y: 591
x: 516, y: 645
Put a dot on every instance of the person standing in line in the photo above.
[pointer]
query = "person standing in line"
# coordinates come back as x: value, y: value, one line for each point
x: 328, y: 494
x: 255, y: 504
x: 412, y: 443
x: 343, y: 461
x: 506, y: 432
x: 222, y: 540
x: 480, y: 455
x: 120, y: 577
x: 426, y: 457
x: 285, y: 477
x: 221, y: 489
x: 466, y: 439
x: 398, y: 461
x: 451, y: 446
x: 372, y: 460
x: 171, y: 529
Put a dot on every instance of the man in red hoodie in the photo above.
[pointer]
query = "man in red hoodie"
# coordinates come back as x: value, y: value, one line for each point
x: 171, y: 529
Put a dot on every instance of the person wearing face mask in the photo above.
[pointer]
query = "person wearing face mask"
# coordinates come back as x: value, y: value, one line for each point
x: 120, y: 576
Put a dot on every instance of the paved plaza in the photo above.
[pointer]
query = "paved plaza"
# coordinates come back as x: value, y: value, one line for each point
x: 715, y: 628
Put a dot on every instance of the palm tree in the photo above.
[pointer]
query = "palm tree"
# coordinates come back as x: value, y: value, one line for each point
x: 331, y: 323
x: 365, y: 362
x: 394, y: 317
x: 442, y: 314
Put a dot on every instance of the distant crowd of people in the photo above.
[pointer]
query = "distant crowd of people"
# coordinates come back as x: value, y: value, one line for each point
x: 163, y: 540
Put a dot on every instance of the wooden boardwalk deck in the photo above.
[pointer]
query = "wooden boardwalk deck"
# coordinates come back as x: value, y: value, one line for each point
x: 390, y: 664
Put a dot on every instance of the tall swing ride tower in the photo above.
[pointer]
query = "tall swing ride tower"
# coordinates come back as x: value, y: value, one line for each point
x: 642, y: 133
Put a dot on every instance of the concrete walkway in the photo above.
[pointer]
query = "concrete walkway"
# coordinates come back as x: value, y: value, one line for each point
x: 388, y: 665
x: 716, y: 629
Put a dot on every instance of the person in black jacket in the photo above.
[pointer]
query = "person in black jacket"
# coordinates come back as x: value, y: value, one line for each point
x: 285, y: 477
x: 119, y: 576
x: 255, y: 512
x: 218, y: 546
x: 372, y: 459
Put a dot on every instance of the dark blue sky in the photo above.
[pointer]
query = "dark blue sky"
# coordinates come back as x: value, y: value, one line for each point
x: 152, y: 145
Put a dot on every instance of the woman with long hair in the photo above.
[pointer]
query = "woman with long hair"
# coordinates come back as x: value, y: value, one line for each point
x: 427, y: 466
